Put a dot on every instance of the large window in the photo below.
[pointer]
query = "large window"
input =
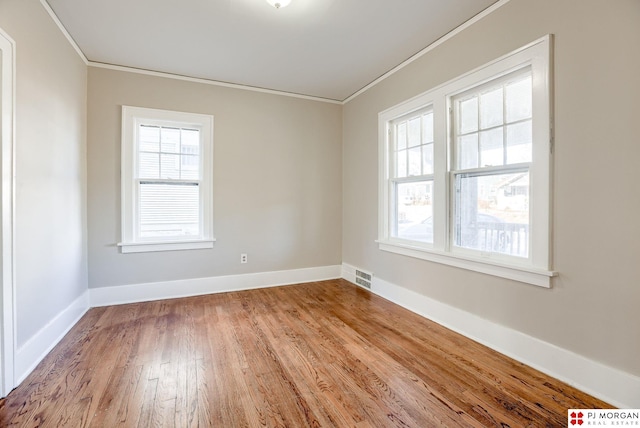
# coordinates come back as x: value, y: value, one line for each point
x: 166, y: 180
x: 465, y: 172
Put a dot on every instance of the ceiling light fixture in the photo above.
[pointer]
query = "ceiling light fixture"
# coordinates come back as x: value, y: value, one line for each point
x: 278, y: 3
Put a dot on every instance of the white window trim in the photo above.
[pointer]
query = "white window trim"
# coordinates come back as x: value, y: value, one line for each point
x: 537, y: 269
x: 131, y: 117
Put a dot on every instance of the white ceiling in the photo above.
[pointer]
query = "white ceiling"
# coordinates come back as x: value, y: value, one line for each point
x: 321, y: 48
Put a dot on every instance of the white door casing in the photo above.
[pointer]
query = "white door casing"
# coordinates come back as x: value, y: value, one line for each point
x: 7, y: 138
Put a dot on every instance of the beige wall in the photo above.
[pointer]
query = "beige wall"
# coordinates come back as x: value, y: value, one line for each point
x: 593, y: 308
x: 277, y: 180
x: 50, y: 167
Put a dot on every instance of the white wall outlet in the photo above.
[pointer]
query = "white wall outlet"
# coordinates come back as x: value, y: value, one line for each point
x: 243, y: 258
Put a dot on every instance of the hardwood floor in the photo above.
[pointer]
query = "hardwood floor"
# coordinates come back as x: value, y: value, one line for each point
x: 318, y: 354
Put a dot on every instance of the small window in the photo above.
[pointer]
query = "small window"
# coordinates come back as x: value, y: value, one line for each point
x: 465, y: 170
x: 166, y: 180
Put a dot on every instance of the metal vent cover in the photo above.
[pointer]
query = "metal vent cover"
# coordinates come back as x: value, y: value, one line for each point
x: 363, y: 278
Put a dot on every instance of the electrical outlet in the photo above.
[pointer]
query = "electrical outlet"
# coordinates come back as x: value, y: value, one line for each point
x: 243, y: 258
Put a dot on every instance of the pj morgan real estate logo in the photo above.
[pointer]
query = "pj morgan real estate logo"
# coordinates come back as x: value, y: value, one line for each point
x: 603, y: 417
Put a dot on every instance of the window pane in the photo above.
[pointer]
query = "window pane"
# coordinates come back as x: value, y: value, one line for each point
x: 170, y: 166
x: 469, y: 115
x: 427, y: 159
x: 492, y: 213
x: 491, y: 108
x: 519, y: 100
x: 401, y: 136
x: 149, y: 138
x: 491, y: 148
x: 190, y: 142
x: 414, y: 132
x: 170, y: 138
x: 519, y: 142
x: 401, y: 163
x: 149, y: 165
x: 415, y: 161
x: 414, y: 211
x: 468, y: 151
x: 427, y: 128
x: 190, y: 167
x: 169, y: 210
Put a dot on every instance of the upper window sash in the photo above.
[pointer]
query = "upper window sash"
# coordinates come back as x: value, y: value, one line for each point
x: 492, y: 123
x: 412, y: 142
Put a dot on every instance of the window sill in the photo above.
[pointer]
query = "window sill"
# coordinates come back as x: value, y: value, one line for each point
x: 528, y: 275
x: 148, y: 247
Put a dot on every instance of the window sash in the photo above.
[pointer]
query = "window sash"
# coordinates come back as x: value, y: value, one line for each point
x: 163, y: 210
x: 487, y: 233
x: 476, y: 130
x: 412, y: 208
x: 161, y: 152
x: 403, y: 145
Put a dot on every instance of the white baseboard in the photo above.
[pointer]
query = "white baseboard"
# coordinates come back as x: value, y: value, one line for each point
x: 193, y: 287
x: 614, y: 386
x: 29, y: 355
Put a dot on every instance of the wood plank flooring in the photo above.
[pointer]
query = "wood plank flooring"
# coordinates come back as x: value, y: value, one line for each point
x: 325, y: 354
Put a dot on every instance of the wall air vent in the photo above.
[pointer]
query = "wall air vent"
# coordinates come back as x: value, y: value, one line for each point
x: 363, y: 278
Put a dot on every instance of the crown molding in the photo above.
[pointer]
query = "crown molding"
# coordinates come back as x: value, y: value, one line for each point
x: 209, y: 82
x: 64, y: 31
x: 388, y: 74
x: 429, y: 48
